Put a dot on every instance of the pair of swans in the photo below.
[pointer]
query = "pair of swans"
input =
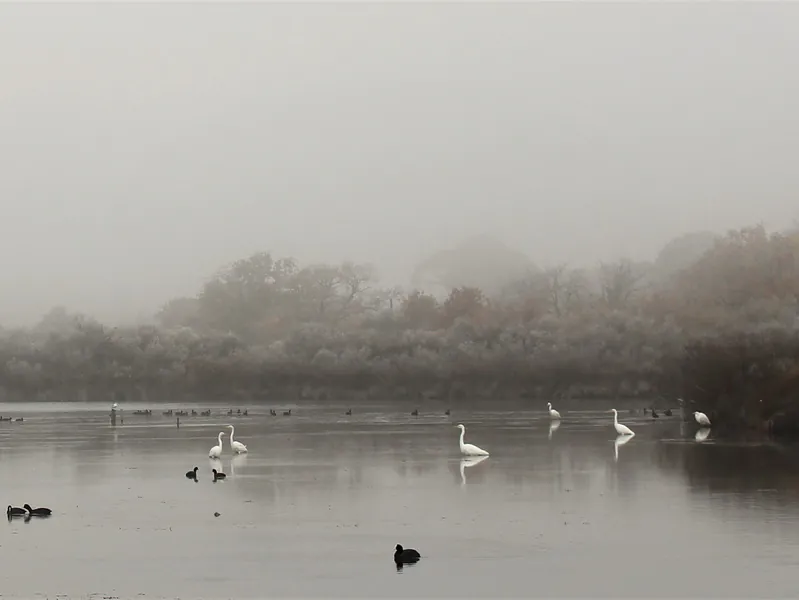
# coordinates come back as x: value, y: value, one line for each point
x: 237, y: 447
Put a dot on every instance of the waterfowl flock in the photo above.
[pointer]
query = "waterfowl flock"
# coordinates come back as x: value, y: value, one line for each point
x: 402, y: 556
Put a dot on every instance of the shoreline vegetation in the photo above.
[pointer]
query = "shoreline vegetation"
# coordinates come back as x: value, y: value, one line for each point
x: 714, y: 320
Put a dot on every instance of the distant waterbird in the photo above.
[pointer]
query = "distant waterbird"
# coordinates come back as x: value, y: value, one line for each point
x: 287, y: 413
x: 655, y: 415
x: 216, y: 451
x: 620, y: 429
x: 15, y: 511
x: 405, y: 556
x: 469, y: 449
x: 667, y: 412
x: 39, y: 512
x: 218, y: 474
x: 415, y: 412
x: 552, y: 412
x: 192, y: 474
x: 701, y: 418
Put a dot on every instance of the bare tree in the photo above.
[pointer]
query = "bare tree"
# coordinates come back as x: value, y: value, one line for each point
x: 619, y: 281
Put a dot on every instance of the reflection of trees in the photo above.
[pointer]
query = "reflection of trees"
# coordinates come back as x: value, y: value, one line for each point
x: 738, y: 469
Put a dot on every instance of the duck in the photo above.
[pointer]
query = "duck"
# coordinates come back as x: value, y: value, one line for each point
x: 667, y: 412
x: 403, y: 556
x: 39, y: 512
x: 13, y: 510
x: 287, y: 413
x: 218, y: 474
x: 349, y: 412
x: 192, y: 474
x: 415, y: 412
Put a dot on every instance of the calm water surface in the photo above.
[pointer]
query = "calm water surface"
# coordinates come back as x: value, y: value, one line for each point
x: 316, y: 507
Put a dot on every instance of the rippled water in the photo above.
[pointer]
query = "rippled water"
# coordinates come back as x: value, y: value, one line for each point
x: 319, y: 503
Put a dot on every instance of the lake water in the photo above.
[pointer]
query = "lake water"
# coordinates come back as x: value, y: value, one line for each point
x: 317, y: 506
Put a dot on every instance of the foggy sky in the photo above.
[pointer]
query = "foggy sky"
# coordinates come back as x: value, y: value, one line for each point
x: 145, y: 145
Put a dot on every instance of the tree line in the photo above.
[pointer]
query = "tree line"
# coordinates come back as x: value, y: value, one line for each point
x: 713, y: 319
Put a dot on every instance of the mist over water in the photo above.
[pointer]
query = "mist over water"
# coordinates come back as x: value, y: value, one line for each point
x: 316, y: 507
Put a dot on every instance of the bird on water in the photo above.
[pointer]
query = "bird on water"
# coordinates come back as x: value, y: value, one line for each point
x: 403, y: 556
x: 218, y: 474
x: 237, y: 447
x: 702, y: 419
x: 469, y: 449
x: 552, y: 412
x: 192, y: 474
x: 13, y: 510
x: 620, y: 429
x: 216, y: 451
x: 39, y: 512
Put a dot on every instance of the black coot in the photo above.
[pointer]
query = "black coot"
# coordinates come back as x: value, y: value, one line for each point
x: 218, y: 474
x: 403, y: 556
x: 13, y: 510
x: 39, y: 512
x: 192, y: 474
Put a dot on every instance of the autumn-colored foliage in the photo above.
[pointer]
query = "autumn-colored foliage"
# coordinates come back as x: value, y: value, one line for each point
x: 713, y: 320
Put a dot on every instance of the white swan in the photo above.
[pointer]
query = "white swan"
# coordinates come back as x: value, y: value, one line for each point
x: 237, y: 447
x: 216, y: 451
x: 552, y: 412
x: 469, y: 449
x: 620, y: 429
x: 702, y: 419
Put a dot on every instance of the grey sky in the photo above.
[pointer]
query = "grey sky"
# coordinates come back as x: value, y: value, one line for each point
x: 144, y: 145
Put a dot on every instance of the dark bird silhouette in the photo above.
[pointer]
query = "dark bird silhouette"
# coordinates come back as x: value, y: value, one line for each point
x: 218, y: 474
x: 272, y: 412
x: 287, y: 413
x: 655, y: 415
x: 446, y: 412
x: 192, y: 474
x: 349, y: 412
x: 667, y: 412
x: 415, y: 412
x: 13, y: 510
x: 39, y: 512
x: 402, y: 556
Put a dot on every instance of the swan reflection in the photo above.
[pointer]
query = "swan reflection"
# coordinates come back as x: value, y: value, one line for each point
x: 469, y: 462
x: 701, y: 434
x: 553, y: 427
x: 240, y: 460
x: 215, y: 463
x: 620, y: 441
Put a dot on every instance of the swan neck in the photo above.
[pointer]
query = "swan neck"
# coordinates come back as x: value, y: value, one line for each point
x: 616, y: 418
x: 461, y: 438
